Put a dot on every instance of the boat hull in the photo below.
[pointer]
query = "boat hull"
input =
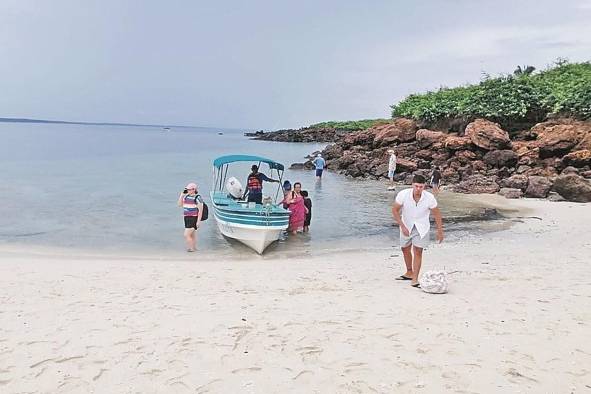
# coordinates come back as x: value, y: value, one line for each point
x: 253, y: 236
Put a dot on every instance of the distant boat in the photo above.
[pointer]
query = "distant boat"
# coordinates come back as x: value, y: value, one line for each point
x: 255, y: 225
x: 220, y: 133
x: 166, y: 128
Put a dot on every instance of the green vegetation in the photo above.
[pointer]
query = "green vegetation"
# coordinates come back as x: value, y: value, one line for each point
x: 564, y: 89
x: 352, y: 125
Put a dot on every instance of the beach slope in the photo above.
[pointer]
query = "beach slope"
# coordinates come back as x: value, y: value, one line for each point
x: 517, y: 319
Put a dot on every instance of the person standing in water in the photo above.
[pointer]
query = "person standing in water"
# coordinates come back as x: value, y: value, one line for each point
x: 254, y: 184
x: 192, y: 205
x: 411, y: 211
x: 391, y: 168
x: 308, y: 205
x: 294, y: 201
x: 319, y: 164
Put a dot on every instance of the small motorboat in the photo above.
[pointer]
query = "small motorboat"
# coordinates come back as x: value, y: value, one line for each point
x: 255, y: 225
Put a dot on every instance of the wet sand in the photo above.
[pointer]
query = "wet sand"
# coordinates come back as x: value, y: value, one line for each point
x: 517, y: 318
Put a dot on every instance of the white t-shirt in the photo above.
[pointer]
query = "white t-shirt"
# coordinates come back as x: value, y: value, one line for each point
x: 392, y: 163
x: 416, y: 213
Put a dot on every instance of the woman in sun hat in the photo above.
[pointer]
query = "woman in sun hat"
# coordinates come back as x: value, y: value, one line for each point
x: 192, y: 205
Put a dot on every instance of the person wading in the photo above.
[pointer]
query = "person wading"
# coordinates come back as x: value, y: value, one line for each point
x: 411, y: 211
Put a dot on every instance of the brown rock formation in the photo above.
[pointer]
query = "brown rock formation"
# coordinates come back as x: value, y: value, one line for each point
x: 578, y: 158
x: 557, y: 137
x: 538, y: 187
x: 573, y: 187
x: 501, y: 158
x: 511, y: 193
x: 457, y: 143
x: 487, y: 135
x: 427, y: 138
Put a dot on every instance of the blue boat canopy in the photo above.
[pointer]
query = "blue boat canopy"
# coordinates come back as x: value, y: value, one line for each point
x: 220, y: 161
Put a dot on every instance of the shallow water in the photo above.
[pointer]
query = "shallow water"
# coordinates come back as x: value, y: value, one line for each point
x: 113, y: 190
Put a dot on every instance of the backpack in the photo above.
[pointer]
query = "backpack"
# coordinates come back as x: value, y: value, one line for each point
x: 205, y: 213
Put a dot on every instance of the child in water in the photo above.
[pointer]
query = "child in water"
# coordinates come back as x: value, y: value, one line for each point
x: 307, y: 204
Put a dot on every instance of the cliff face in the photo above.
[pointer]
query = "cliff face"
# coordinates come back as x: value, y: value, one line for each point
x: 550, y: 157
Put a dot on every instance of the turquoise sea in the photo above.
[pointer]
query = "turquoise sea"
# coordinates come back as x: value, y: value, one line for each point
x: 112, y: 190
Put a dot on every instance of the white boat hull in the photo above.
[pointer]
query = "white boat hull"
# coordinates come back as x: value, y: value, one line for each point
x: 255, y: 237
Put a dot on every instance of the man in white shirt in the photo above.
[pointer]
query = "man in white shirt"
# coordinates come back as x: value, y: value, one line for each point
x: 391, y: 167
x: 411, y: 211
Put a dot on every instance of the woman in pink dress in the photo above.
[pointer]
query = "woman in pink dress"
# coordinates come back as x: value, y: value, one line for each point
x: 294, y: 201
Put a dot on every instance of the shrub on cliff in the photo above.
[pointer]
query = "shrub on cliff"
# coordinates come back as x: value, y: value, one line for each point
x: 564, y: 89
x: 352, y: 125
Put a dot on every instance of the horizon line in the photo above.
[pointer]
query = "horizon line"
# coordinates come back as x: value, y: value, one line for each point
x: 33, y: 120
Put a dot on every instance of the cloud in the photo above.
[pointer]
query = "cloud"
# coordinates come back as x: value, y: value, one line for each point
x: 498, y: 41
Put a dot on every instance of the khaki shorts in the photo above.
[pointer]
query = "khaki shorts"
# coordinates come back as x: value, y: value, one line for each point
x: 414, y: 239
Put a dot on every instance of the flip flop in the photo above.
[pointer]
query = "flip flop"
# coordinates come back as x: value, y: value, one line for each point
x: 402, y: 277
x: 417, y: 285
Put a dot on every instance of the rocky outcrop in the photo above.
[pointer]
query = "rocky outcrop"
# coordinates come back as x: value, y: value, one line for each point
x: 457, y: 143
x: 306, y: 134
x: 578, y: 158
x: 573, y: 187
x: 487, y: 135
x: 516, y: 181
x: 557, y: 137
x: 511, y: 193
x: 478, y: 183
x: 427, y: 138
x: 400, y: 130
x: 538, y: 187
x: 483, y: 160
x: 501, y: 158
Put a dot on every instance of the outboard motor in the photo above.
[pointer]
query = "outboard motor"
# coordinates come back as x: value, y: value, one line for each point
x: 234, y: 188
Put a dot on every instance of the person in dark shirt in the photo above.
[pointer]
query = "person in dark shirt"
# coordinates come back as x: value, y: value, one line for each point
x: 254, y: 185
x: 435, y: 181
x: 308, y: 205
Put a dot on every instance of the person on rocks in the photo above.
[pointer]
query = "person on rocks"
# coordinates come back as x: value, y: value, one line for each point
x: 411, y: 211
x: 391, y: 168
x: 192, y: 205
x: 294, y: 201
x: 319, y: 164
x: 254, y: 184
x: 435, y: 180
x: 308, y: 204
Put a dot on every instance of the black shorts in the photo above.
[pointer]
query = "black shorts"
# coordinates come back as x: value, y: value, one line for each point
x: 191, y: 222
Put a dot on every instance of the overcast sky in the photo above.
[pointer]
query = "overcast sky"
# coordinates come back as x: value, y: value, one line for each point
x: 265, y: 64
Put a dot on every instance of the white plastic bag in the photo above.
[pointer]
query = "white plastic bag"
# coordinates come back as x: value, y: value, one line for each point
x: 434, y: 282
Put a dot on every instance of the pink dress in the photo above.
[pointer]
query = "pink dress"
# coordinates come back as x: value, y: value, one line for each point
x: 298, y: 211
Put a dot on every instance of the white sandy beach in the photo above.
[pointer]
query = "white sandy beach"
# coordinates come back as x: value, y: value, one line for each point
x: 517, y: 319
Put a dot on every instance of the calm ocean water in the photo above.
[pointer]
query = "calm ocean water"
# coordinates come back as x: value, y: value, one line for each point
x: 113, y: 190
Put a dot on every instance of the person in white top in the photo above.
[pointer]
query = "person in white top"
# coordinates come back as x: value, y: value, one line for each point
x: 391, y: 167
x: 411, y: 211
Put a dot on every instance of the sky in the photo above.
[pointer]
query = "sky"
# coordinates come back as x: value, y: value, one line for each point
x: 265, y: 64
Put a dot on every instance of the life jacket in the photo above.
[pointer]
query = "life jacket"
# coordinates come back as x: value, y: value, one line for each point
x: 254, y: 184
